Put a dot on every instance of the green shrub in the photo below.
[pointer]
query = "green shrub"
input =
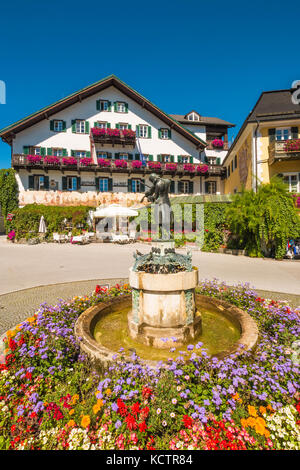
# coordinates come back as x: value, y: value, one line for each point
x: 9, y: 194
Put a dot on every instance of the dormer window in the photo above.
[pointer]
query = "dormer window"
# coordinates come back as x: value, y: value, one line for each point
x: 193, y: 116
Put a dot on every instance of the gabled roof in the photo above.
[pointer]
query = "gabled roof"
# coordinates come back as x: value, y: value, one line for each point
x: 8, y: 132
x: 275, y: 105
x: 204, y: 120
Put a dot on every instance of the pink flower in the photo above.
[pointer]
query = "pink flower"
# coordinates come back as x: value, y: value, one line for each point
x: 218, y: 143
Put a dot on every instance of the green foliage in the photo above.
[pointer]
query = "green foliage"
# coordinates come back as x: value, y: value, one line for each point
x: 26, y: 221
x: 9, y: 194
x: 262, y: 222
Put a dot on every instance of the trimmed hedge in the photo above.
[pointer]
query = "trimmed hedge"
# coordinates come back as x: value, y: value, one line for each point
x: 9, y: 194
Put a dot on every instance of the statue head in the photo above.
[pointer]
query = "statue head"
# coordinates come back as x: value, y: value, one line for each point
x: 153, y: 177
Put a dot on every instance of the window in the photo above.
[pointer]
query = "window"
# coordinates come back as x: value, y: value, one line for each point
x: 185, y: 158
x: 120, y: 107
x: 166, y: 158
x: 136, y: 186
x: 103, y: 105
x: 143, y: 131
x: 101, y: 124
x: 164, y: 133
x: 211, y: 160
x: 39, y: 182
x: 58, y: 126
x: 80, y: 153
x: 36, y: 150
x: 185, y: 187
x: 292, y: 182
x: 71, y: 183
x: 283, y: 133
x: 210, y: 187
x: 123, y: 156
x: 123, y: 126
x: 103, y: 185
x: 57, y: 152
x: 80, y: 126
x: 102, y: 155
x: 193, y: 117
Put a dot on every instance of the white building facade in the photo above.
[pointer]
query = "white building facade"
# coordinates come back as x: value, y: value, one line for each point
x: 107, y: 138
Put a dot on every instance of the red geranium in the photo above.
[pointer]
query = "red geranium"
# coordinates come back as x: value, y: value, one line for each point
x: 187, y: 421
x: 131, y: 422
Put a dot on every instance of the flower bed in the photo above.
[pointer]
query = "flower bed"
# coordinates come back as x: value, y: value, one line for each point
x: 189, y: 167
x: 50, y: 399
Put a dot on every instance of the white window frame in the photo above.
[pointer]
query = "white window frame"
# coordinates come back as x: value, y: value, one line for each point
x: 121, y: 107
x: 289, y: 183
x: 57, y: 152
x: 102, y: 155
x: 37, y: 150
x: 185, y: 159
x: 185, y: 187
x: 281, y: 131
x: 70, y: 183
x: 57, y: 125
x: 102, y: 124
x: 143, y: 131
x: 123, y: 126
x: 213, y: 184
x: 104, y: 105
x: 80, y: 126
x: 123, y: 156
x: 80, y: 153
x: 39, y: 182
x: 193, y: 117
x: 164, y: 133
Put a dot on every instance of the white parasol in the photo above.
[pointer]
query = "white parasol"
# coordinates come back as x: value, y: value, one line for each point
x: 42, y: 227
x: 114, y: 210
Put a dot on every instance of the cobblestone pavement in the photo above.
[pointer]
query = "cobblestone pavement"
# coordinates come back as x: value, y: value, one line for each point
x: 15, y: 307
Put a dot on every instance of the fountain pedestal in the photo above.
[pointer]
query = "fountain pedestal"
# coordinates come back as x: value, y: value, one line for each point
x: 163, y: 308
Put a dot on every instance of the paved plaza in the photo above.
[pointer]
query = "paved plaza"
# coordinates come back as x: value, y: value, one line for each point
x: 48, y: 272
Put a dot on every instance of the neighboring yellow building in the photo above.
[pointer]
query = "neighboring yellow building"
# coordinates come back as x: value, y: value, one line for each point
x: 267, y: 144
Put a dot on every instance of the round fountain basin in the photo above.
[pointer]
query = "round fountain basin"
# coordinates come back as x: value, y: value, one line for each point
x: 103, y: 329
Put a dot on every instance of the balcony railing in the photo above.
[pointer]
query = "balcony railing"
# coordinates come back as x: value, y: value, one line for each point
x: 111, y: 165
x: 212, y: 146
x: 284, y: 150
x: 114, y: 137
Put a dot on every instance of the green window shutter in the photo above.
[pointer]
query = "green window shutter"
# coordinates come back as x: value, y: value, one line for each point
x: 72, y: 153
x: 43, y: 151
x: 129, y: 185
x: 87, y: 127
x: 26, y: 150
x: 172, y: 158
x: 130, y: 156
x: 191, y: 187
x: 64, y: 126
x: 31, y: 182
x: 117, y: 155
x: 98, y: 105
x: 205, y: 159
x: 142, y: 186
x: 137, y: 156
x: 172, y: 187
x: 109, y: 106
x: 169, y: 133
x: 126, y: 107
x: 271, y: 135
x: 150, y: 158
x: 294, y: 131
x: 218, y: 160
x: 206, y: 187
x: 129, y: 126
x: 191, y: 160
x: 115, y: 106
x: 74, y: 126
x: 117, y: 126
x: 180, y: 186
x: 110, y: 184
x: 159, y: 133
x: 97, y: 183
x: 46, y: 182
x: 49, y: 151
x: 149, y: 132
x: 235, y: 161
x: 95, y: 124
x: 108, y: 125
x: 78, y: 182
x: 51, y: 125
x: 65, y: 153
x: 88, y: 154
x: 64, y: 183
x: 179, y: 159
x: 137, y: 130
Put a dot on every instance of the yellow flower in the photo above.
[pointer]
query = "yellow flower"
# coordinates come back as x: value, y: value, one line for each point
x: 71, y: 423
x: 108, y: 391
x: 75, y: 398
x: 251, y: 422
x: 261, y: 421
x: 71, y: 412
x: 260, y: 429
x: 96, y: 408
x: 262, y: 410
x: 267, y: 433
x: 252, y: 411
x: 86, y: 421
x: 244, y: 423
x: 236, y: 396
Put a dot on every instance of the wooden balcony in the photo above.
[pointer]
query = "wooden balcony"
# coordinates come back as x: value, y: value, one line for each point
x: 121, y: 139
x: 279, y: 151
x: 21, y: 161
x: 210, y: 146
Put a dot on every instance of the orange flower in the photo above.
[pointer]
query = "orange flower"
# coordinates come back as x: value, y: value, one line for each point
x: 71, y: 423
x: 260, y: 429
x: 252, y: 411
x: 262, y: 410
x: 244, y: 423
x: 108, y: 391
x: 71, y: 412
x: 75, y: 398
x: 86, y: 421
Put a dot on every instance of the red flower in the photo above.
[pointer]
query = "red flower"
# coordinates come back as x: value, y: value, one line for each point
x: 131, y: 422
x: 187, y: 421
x: 145, y: 412
x: 135, y: 408
x: 143, y: 426
x: 146, y: 392
x: 122, y: 407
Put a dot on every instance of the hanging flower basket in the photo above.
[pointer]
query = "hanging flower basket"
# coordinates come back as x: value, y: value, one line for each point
x: 218, y: 143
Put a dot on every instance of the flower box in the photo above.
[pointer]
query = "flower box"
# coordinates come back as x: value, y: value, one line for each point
x: 120, y: 164
x: 292, y: 145
x: 218, y: 143
x: 202, y: 168
x: 34, y: 159
x: 71, y: 161
x: 154, y: 165
x: 103, y: 162
x: 189, y: 167
x: 86, y: 161
x: 136, y: 164
x: 51, y: 160
x: 171, y: 166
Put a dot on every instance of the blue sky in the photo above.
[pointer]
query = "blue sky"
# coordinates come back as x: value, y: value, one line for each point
x: 212, y: 56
